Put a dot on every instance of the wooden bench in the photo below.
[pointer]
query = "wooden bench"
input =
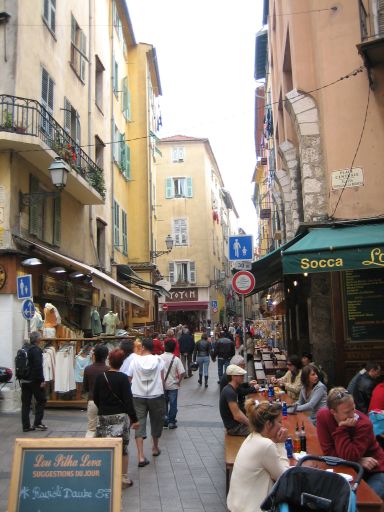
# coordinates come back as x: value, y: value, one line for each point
x: 231, y: 447
x: 258, y: 365
x: 260, y: 375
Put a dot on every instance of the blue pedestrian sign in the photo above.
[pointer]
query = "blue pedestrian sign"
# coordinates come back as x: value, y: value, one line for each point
x: 28, y: 309
x: 240, y: 248
x: 24, y: 287
x: 214, y: 305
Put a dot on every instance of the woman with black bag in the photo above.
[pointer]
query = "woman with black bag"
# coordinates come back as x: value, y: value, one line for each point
x: 113, y: 398
x: 201, y: 356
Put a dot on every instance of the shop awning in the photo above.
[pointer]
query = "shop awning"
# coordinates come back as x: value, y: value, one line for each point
x: 337, y: 248
x: 268, y: 270
x: 184, y: 306
x: 125, y: 273
x: 116, y: 288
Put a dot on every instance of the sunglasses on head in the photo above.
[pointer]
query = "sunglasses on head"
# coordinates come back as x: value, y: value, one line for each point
x: 341, y: 394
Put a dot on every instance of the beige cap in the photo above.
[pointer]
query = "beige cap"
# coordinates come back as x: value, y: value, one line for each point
x: 233, y: 369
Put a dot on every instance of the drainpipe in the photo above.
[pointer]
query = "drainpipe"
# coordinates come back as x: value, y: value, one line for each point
x: 112, y: 145
x: 90, y: 76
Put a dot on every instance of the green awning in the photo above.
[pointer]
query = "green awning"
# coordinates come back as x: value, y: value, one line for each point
x: 337, y: 248
x: 268, y: 270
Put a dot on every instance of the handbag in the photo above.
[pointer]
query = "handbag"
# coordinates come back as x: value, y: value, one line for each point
x: 111, y: 390
x: 377, y: 418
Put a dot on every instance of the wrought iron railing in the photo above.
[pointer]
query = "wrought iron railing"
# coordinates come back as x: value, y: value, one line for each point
x: 28, y: 117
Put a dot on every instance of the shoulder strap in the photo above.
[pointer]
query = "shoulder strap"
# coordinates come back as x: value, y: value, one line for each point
x: 111, y: 390
x: 169, y: 369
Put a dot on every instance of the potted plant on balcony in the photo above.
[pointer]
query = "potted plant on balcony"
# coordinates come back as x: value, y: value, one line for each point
x: 7, y: 122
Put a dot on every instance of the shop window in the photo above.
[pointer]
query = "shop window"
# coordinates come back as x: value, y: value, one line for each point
x: 78, y: 50
x: 180, y: 231
x: 44, y: 215
x: 99, y: 82
x: 178, y: 187
x: 182, y: 272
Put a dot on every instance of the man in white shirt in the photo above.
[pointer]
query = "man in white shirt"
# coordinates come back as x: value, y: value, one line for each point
x: 127, y: 347
x: 146, y: 373
x: 173, y: 374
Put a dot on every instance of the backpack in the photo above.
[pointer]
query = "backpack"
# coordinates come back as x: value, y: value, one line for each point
x: 22, y: 366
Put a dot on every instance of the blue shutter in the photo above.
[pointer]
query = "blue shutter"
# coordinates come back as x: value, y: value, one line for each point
x: 189, y: 187
x: 169, y: 188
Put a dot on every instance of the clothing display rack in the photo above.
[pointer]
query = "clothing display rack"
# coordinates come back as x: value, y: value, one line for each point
x: 64, y: 361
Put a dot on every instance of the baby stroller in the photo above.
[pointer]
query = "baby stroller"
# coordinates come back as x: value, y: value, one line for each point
x: 304, y: 489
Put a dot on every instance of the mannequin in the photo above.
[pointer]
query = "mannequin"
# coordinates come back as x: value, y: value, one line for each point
x: 51, y: 320
x: 95, y: 322
x: 110, y: 321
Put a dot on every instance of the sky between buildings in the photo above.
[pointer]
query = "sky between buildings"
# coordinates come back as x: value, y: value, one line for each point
x: 205, y: 51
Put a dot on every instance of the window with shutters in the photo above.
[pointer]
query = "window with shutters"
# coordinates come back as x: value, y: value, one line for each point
x: 180, y: 231
x: 78, y: 49
x: 117, y: 22
x: 116, y: 224
x: 49, y: 14
x: 115, y: 77
x: 178, y: 154
x: 125, y: 99
x: 178, y: 187
x: 44, y: 215
x: 99, y: 152
x: 99, y: 83
x: 182, y: 272
x: 124, y: 232
x: 72, y: 125
x: 116, y: 145
x: 47, y: 90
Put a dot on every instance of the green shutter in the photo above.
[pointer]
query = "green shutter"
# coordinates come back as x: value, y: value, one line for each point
x: 125, y: 99
x: 36, y: 210
x: 116, y: 224
x: 122, y: 159
x: 169, y: 188
x: 127, y: 162
x: 57, y: 220
x: 189, y: 187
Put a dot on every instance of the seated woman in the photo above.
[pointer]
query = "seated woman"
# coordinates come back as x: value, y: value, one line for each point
x: 291, y: 381
x: 313, y: 394
x: 261, y: 460
x: 113, y: 398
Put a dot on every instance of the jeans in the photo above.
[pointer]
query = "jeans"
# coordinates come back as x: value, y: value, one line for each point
x: 29, y: 389
x: 203, y: 362
x: 222, y: 365
x: 376, y: 482
x: 171, y: 405
x: 187, y: 360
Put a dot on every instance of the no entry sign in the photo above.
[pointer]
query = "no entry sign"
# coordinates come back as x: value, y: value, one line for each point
x: 243, y: 282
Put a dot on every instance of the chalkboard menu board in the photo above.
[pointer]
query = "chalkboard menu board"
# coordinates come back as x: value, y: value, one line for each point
x: 62, y: 475
x: 364, y: 293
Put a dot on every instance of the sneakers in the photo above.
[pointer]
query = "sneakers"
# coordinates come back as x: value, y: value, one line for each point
x: 172, y: 426
x: 126, y: 482
x: 40, y: 427
x: 29, y: 429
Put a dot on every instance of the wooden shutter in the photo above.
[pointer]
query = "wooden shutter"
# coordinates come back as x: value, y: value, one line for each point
x: 169, y: 188
x: 50, y: 93
x: 116, y: 224
x: 125, y: 98
x: 44, y: 86
x: 36, y: 210
x: 53, y: 15
x: 83, y: 50
x: 122, y: 152
x: 67, y: 115
x: 128, y: 161
x: 192, y: 272
x: 380, y: 16
x: 189, y: 187
x: 124, y: 231
x: 57, y: 220
x: 171, y: 271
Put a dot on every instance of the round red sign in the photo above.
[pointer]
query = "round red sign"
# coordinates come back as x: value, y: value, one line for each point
x: 243, y: 282
x: 164, y: 307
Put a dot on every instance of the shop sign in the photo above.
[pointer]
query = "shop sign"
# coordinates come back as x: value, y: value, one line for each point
x: 328, y: 261
x: 183, y: 295
x: 265, y: 213
x: 52, y: 288
x: 66, y: 474
x: 347, y: 178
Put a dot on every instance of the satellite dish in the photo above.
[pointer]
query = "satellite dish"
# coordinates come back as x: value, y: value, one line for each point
x: 164, y: 284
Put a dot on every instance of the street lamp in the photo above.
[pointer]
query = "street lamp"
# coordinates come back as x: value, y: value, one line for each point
x: 59, y: 171
x: 169, y: 246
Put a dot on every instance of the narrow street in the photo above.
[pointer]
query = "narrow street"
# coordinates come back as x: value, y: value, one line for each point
x: 188, y: 476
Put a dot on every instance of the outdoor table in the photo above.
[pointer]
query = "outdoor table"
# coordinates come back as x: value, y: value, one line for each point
x: 266, y: 357
x: 258, y: 365
x: 367, y: 499
x: 269, y: 367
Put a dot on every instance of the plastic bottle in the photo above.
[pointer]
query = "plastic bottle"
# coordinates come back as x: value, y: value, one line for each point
x: 303, y: 439
x: 289, y: 447
x: 271, y: 392
x: 297, y: 440
x: 285, y: 411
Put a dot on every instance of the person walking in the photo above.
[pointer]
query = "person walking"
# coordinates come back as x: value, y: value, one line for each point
x: 100, y: 354
x: 186, y: 346
x: 33, y: 386
x: 113, y: 398
x: 224, y: 351
x: 146, y: 374
x: 173, y: 375
x: 201, y: 355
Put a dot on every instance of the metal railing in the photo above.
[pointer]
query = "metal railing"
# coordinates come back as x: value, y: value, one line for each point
x: 28, y: 117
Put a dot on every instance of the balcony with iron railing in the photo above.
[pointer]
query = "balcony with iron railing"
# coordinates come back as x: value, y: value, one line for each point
x: 28, y: 128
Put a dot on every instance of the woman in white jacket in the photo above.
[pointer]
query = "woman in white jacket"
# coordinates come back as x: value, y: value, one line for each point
x: 261, y: 459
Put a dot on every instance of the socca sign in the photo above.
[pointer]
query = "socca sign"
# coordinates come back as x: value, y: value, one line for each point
x: 66, y: 474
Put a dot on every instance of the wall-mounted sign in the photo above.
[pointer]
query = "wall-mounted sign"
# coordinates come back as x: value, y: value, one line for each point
x: 24, y: 287
x: 347, y: 178
x: 66, y: 474
x: 243, y: 282
x: 183, y: 295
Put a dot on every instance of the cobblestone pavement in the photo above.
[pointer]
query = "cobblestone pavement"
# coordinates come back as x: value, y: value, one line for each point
x: 189, y: 475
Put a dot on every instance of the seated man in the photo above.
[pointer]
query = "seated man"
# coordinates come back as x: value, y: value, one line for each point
x: 235, y: 421
x: 245, y: 388
x: 346, y: 433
